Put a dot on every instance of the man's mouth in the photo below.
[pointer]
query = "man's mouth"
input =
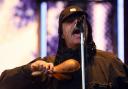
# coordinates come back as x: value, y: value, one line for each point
x: 76, y: 31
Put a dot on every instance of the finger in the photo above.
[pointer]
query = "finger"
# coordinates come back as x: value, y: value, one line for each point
x: 51, y: 67
x: 45, y: 71
x: 48, y: 68
x: 33, y: 67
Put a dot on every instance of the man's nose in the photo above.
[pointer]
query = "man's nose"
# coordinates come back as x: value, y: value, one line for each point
x: 75, y: 21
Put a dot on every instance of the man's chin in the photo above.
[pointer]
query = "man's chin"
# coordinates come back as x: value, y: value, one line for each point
x: 77, y: 42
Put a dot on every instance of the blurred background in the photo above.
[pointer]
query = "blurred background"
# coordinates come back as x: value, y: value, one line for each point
x: 28, y: 28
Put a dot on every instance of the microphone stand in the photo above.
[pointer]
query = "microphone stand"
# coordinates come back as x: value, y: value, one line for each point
x: 80, y: 26
x: 82, y: 59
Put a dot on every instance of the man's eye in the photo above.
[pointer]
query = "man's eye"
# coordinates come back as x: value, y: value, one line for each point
x: 70, y: 20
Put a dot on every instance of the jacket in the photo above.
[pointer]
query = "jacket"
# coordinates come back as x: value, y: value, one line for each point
x: 106, y: 72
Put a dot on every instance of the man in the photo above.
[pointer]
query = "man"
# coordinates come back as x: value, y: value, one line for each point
x: 103, y: 70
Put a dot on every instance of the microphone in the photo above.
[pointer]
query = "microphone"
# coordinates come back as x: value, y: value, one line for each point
x: 81, y: 27
x: 79, y: 24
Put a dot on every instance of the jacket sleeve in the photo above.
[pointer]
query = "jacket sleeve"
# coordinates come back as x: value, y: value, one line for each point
x: 119, y: 74
x: 20, y: 78
x: 13, y: 78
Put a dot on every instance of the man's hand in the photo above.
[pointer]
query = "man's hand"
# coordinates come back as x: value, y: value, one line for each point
x: 40, y: 67
x: 60, y: 71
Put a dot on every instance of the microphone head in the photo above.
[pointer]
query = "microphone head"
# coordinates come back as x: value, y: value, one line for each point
x: 81, y: 19
x: 80, y: 22
x: 81, y: 27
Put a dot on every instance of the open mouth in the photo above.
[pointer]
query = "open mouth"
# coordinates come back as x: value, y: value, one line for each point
x: 76, y: 31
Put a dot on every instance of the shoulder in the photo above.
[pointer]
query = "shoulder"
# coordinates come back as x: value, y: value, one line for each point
x: 105, y: 54
x: 107, y: 57
x: 110, y: 61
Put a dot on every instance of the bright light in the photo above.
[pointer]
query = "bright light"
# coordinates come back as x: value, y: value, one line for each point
x: 120, y: 13
x: 99, y: 13
x: 43, y: 34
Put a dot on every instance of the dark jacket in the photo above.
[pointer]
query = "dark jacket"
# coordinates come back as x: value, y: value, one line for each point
x: 105, y: 72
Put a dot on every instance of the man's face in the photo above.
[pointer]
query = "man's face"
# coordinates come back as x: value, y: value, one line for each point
x: 71, y: 36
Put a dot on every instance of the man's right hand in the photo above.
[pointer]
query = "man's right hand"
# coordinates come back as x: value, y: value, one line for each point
x: 41, y: 66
